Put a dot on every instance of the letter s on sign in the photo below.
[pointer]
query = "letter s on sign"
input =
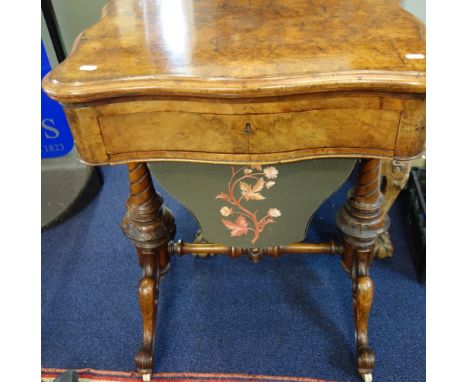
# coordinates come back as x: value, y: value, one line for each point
x: 51, y: 132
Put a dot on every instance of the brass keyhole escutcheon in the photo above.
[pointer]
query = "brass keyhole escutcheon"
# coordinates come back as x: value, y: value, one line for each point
x: 248, y: 130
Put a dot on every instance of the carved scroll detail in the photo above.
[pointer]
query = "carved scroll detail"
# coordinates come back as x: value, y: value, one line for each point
x: 396, y: 174
x: 148, y: 298
x: 150, y: 227
x: 361, y: 221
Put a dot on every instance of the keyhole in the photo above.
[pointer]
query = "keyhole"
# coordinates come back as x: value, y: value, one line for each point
x: 248, y: 129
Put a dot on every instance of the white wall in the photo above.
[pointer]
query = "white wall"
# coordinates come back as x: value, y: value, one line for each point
x: 416, y: 7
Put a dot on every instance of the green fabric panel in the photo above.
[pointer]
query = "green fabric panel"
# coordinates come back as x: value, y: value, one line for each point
x: 298, y: 190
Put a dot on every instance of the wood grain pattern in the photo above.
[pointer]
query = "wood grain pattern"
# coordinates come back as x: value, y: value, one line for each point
x: 84, y: 126
x: 174, y: 131
x: 150, y: 227
x: 255, y: 254
x: 347, y: 128
x: 412, y: 131
x: 395, y: 175
x: 361, y: 221
x: 331, y: 64
x: 284, y: 128
x: 247, y: 82
x: 269, y: 133
x: 242, y: 159
x: 264, y: 105
x: 148, y: 293
x: 220, y: 48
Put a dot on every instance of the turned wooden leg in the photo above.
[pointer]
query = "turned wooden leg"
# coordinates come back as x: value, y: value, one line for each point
x: 361, y: 221
x: 396, y: 174
x: 150, y: 227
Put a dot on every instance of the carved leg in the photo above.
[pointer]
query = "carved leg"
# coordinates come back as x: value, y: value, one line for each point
x: 148, y: 298
x: 150, y: 227
x: 361, y: 221
x: 396, y: 174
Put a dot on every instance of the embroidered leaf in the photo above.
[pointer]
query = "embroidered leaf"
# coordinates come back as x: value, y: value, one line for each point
x: 259, y: 185
x: 262, y: 180
x: 222, y: 195
x: 252, y: 193
x: 238, y: 228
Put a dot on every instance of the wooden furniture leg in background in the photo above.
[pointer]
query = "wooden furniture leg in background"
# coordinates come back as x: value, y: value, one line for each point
x: 361, y: 221
x: 395, y: 174
x: 150, y: 227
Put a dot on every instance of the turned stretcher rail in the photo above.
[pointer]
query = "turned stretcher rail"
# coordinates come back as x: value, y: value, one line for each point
x: 180, y: 248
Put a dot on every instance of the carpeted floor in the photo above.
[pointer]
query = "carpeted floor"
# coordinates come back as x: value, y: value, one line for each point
x: 286, y: 317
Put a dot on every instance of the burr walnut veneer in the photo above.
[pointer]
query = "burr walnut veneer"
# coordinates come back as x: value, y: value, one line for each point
x: 248, y: 82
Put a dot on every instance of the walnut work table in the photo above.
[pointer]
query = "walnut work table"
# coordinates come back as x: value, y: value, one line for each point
x: 248, y: 83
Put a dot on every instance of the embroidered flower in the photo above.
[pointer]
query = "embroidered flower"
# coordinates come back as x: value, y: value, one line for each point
x: 274, y: 212
x: 248, y: 182
x: 270, y: 172
x: 225, y: 211
x: 222, y: 195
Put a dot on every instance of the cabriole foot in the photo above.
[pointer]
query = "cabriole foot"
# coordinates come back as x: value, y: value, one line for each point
x: 365, y: 360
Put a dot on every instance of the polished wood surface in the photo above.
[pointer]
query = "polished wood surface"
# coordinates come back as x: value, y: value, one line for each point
x: 255, y: 254
x: 281, y: 129
x: 182, y: 80
x: 222, y: 48
x: 395, y: 175
x: 362, y: 220
x: 254, y: 134
x: 248, y: 82
x: 150, y: 227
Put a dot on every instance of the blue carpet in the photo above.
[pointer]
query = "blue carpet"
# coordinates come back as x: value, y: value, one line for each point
x: 290, y: 316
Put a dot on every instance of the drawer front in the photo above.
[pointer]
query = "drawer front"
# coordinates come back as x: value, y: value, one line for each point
x: 250, y: 134
x: 329, y: 128
x: 173, y: 131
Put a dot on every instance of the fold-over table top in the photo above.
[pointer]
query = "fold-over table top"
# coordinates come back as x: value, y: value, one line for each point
x: 243, y: 48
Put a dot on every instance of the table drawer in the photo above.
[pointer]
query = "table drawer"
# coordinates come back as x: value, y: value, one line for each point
x: 173, y: 131
x: 326, y: 128
x: 249, y: 133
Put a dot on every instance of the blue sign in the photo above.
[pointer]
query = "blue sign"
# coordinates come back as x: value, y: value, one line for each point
x: 56, y: 138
